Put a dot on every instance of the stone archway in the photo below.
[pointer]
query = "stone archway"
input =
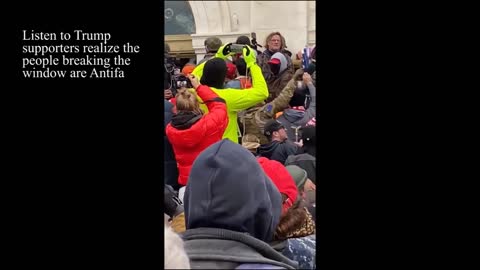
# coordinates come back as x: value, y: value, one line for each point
x: 221, y: 25
x: 179, y: 25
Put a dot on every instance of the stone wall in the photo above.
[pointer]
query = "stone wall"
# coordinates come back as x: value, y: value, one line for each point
x: 230, y: 19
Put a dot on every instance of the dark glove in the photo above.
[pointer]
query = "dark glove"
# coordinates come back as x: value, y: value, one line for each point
x: 224, y: 51
x: 249, y: 57
x: 172, y: 204
x: 298, y: 75
x: 310, y: 69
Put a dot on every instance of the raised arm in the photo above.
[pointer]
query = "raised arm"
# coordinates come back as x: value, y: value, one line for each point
x: 217, y: 109
x: 216, y: 120
x: 222, y: 53
x: 280, y: 103
x: 312, y: 109
x: 241, y: 100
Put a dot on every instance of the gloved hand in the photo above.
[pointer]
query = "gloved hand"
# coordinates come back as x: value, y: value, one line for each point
x: 298, y: 75
x: 173, y: 205
x: 224, y: 51
x: 249, y: 57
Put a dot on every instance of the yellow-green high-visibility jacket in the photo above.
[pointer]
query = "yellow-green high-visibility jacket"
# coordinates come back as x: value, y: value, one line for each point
x: 238, y: 99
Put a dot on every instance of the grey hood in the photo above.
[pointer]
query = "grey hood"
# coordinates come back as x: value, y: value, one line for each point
x: 283, y: 61
x: 294, y: 116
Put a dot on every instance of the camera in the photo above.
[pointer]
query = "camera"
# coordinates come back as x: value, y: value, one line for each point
x: 169, y: 63
x: 237, y: 48
x: 254, y: 41
x: 182, y: 81
x: 170, y: 71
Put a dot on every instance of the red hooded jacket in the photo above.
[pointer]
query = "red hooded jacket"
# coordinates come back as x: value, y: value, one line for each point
x: 189, y: 141
x: 282, y: 180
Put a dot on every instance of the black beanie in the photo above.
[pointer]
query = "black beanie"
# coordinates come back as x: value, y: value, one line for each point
x: 243, y: 40
x: 214, y: 73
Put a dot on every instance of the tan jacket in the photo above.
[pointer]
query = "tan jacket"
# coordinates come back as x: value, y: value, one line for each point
x: 275, y: 83
x: 254, y: 119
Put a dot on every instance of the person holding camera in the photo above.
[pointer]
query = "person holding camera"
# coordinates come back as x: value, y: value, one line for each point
x: 170, y: 71
x: 191, y: 131
x: 212, y: 73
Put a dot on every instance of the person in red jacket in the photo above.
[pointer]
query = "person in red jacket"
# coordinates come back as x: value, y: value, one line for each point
x: 190, y: 131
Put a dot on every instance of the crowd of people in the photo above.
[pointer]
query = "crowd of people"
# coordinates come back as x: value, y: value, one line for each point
x: 240, y: 159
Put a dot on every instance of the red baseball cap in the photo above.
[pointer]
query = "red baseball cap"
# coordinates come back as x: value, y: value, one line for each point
x: 275, y: 61
x: 231, y: 69
x: 282, y: 180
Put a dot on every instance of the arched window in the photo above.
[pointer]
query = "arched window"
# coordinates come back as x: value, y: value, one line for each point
x: 179, y: 18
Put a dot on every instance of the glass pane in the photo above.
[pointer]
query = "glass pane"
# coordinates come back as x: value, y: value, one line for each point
x: 178, y: 18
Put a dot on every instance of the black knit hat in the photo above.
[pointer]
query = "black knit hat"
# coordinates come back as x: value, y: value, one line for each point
x: 214, y: 73
x: 298, y: 98
x: 243, y: 40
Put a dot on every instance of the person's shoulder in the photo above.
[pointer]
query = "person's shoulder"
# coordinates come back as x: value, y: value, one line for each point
x: 288, y: 142
x: 264, y: 55
x: 301, y: 157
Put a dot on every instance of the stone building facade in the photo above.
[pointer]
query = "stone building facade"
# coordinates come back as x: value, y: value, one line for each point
x: 189, y: 23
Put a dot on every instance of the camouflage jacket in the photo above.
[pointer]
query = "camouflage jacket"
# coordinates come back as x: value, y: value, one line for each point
x: 275, y: 83
x: 253, y: 120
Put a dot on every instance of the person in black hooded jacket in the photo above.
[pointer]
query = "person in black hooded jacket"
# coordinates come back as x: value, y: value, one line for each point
x: 307, y: 160
x: 279, y: 147
x: 170, y: 164
x: 232, y: 210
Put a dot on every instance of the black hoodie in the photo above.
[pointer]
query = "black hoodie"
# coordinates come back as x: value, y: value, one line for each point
x: 230, y: 203
x: 279, y: 151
